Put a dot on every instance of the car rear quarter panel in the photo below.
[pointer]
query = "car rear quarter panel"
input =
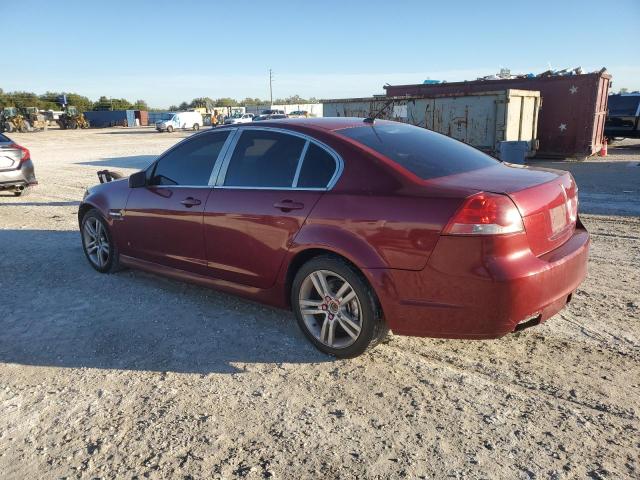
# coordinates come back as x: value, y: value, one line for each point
x: 384, y: 231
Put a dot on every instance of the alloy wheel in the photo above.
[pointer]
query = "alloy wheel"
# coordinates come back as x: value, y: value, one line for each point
x: 96, y: 242
x: 330, y: 309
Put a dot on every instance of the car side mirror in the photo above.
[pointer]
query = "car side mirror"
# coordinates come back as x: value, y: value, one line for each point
x: 138, y: 179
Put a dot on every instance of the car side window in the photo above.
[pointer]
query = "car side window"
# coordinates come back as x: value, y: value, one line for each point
x: 264, y: 158
x: 190, y: 163
x: 317, y: 169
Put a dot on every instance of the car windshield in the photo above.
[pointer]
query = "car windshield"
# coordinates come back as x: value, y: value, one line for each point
x: 423, y: 152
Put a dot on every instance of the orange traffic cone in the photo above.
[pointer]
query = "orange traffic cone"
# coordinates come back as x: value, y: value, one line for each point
x: 603, y: 150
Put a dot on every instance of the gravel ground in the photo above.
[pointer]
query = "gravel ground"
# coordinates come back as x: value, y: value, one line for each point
x: 136, y: 376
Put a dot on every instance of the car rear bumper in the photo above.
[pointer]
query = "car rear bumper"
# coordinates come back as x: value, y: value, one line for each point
x: 24, y: 176
x: 463, y: 295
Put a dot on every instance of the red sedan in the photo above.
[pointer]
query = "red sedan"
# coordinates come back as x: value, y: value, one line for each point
x: 358, y: 226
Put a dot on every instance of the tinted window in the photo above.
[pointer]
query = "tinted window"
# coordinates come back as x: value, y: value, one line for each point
x: 264, y: 159
x: 317, y: 169
x: 626, y: 105
x: 3, y: 138
x: 423, y: 152
x: 190, y: 163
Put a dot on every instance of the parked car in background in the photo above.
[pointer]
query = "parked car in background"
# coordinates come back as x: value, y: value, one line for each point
x: 358, y: 226
x: 623, y: 118
x: 180, y: 120
x: 299, y: 114
x: 239, y: 118
x: 16, y: 167
x: 270, y: 116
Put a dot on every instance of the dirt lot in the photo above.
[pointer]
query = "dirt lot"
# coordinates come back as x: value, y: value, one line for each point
x: 135, y: 376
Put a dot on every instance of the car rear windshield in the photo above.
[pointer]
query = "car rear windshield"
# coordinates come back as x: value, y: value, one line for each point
x: 425, y: 153
x: 623, y: 105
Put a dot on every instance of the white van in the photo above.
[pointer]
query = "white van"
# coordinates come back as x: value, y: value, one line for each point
x: 183, y: 120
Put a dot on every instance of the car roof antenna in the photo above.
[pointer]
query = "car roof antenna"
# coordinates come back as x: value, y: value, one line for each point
x: 372, y: 119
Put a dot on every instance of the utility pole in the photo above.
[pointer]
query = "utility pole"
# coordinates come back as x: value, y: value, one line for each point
x: 271, y: 87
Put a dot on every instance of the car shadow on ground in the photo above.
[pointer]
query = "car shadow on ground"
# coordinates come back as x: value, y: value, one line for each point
x: 133, y: 161
x: 59, y: 312
x: 36, y: 204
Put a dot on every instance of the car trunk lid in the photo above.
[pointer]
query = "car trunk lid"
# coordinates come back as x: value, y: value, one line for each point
x: 547, y: 199
x: 10, y: 156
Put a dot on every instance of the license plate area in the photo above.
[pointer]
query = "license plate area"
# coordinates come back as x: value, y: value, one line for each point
x: 559, y: 219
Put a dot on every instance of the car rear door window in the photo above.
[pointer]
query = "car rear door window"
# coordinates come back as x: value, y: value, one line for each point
x: 264, y: 159
x: 423, y: 152
x: 317, y: 169
x: 190, y: 163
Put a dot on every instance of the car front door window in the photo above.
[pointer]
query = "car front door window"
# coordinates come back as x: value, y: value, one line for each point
x: 190, y: 163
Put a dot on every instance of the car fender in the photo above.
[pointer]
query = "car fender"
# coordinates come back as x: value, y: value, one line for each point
x: 110, y: 199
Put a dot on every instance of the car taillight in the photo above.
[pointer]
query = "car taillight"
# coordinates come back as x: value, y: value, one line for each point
x: 25, y: 154
x: 486, y: 214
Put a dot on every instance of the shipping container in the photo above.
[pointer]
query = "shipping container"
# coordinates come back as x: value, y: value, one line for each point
x: 111, y: 118
x: 142, y: 116
x: 482, y: 119
x: 572, y: 116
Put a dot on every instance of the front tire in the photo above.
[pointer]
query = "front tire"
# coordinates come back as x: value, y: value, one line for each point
x: 336, y: 308
x: 170, y: 129
x: 98, y: 244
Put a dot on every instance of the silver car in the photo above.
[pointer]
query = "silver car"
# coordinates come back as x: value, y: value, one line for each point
x: 16, y: 167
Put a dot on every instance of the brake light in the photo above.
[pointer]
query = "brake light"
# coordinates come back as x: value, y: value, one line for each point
x: 25, y: 154
x: 486, y: 214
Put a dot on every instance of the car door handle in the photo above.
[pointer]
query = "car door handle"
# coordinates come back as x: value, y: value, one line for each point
x: 190, y: 202
x: 288, y: 205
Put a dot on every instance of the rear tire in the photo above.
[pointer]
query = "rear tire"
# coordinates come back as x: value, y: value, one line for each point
x: 196, y: 127
x: 345, y: 320
x: 98, y: 244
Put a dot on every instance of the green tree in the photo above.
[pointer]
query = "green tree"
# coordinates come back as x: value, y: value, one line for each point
x: 183, y: 106
x: 202, y: 102
x: 253, y: 101
x: 173, y: 108
x: 226, y: 102
x: 140, y: 105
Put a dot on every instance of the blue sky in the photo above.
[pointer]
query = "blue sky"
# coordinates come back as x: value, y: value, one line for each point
x: 169, y: 51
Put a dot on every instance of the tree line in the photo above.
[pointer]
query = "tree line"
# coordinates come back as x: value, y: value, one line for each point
x: 232, y: 102
x: 47, y: 101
